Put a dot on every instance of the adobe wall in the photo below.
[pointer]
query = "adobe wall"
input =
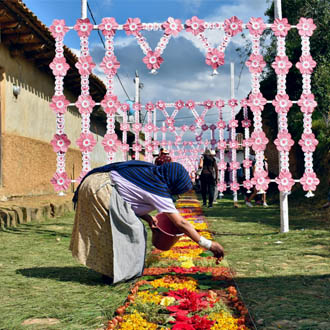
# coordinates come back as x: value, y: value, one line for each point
x: 27, y: 127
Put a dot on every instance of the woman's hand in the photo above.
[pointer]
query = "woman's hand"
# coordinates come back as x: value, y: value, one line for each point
x: 152, y: 221
x: 217, y: 250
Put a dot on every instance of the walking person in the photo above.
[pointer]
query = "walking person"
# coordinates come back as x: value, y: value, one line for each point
x: 208, y: 177
x: 163, y: 157
x: 108, y: 235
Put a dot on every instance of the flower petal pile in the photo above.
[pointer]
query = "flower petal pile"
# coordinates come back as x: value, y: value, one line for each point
x: 183, y: 288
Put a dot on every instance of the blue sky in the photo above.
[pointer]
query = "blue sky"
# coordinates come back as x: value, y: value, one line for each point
x: 184, y: 74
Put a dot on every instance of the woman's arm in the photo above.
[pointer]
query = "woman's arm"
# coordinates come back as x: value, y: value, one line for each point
x: 190, y: 231
x: 152, y: 221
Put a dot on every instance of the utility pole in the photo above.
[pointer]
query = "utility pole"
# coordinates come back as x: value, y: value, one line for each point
x: 284, y: 205
x: 83, y: 9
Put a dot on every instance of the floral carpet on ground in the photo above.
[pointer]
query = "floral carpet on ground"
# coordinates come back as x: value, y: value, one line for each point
x: 183, y: 288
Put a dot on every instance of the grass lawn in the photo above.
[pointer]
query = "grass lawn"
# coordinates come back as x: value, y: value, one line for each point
x: 283, y: 278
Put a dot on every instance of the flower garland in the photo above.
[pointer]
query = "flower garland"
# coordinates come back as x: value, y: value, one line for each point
x: 110, y: 103
x: 282, y: 105
x: 256, y: 102
x: 233, y: 145
x: 247, y: 163
x: 59, y: 104
x: 307, y: 104
x: 86, y: 142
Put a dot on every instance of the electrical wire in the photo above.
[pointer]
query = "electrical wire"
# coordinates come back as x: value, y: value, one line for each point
x: 100, y: 36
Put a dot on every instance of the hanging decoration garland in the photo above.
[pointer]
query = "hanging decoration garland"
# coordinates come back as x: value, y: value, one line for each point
x: 85, y: 103
x: 307, y: 105
x: 222, y: 166
x: 59, y: 104
x: 110, y: 103
x: 233, y: 145
x: 282, y: 105
x: 152, y: 59
x: 256, y: 103
x: 215, y: 57
x: 247, y: 163
x: 137, y: 127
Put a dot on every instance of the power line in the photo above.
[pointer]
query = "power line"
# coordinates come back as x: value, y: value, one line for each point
x: 100, y: 36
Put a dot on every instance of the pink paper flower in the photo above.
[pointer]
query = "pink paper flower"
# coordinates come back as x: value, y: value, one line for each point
x: 85, y: 65
x: 195, y: 25
x: 309, y: 181
x: 110, y: 142
x: 256, y: 102
x: 60, y: 142
x: 247, y: 163
x: 306, y: 27
x: 190, y: 104
x: 283, y: 141
x: 125, y: 127
x: 233, y: 144
x: 172, y: 128
x: 215, y: 58
x: 222, y: 186
x: 192, y: 128
x: 208, y: 104
x: 284, y: 181
x: 307, y: 103
x: 137, y: 106
x: 60, y: 181
x: 256, y: 26
x: 247, y: 143
x: 163, y: 129
x: 306, y: 64
x: 149, y: 106
x: 199, y: 121
x: 137, y: 127
x: 86, y: 142
x: 233, y: 123
x: 110, y: 65
x: 233, y: 26
x: 83, y: 27
x: 308, y: 142
x: 255, y: 63
x: 132, y: 26
x: 281, y: 65
x: 205, y: 127
x: 247, y: 184
x: 232, y: 103
x: 148, y: 128
x: 244, y: 103
x: 282, y: 103
x: 137, y: 147
x: 149, y: 147
x: 59, y: 104
x: 169, y: 121
x: 161, y: 105
x: 222, y: 165
x: 246, y: 123
x: 172, y: 26
x: 124, y: 147
x: 85, y: 104
x: 59, y: 66
x: 260, y: 180
x: 281, y: 27
x: 124, y: 107
x: 222, y: 144
x: 219, y: 104
x: 110, y: 104
x: 58, y: 28
x: 108, y: 26
x: 259, y: 141
x: 234, y: 186
x: 179, y: 104
x: 153, y: 60
x: 234, y: 166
